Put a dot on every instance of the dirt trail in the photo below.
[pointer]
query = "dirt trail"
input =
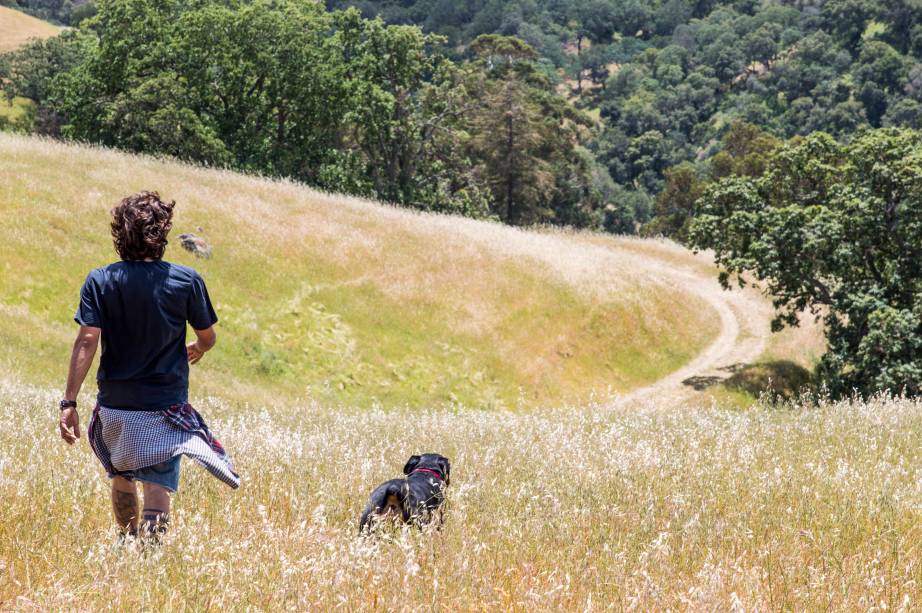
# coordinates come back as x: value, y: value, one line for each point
x: 744, y: 332
x: 598, y: 264
x: 602, y: 265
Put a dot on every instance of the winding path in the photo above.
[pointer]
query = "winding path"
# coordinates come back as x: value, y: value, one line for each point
x: 744, y: 332
x: 601, y: 264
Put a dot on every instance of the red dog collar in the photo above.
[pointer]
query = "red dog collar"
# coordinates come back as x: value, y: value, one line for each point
x: 430, y: 471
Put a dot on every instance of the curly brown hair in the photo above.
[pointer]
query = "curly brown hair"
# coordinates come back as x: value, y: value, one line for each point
x: 140, y: 224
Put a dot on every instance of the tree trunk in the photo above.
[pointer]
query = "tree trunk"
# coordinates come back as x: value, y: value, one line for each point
x: 511, y: 213
x: 579, y: 64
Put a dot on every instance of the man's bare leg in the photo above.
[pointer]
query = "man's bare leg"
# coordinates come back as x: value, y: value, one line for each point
x: 156, y: 514
x: 125, y: 505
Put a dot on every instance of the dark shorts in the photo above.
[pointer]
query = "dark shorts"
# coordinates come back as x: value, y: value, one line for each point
x: 165, y: 474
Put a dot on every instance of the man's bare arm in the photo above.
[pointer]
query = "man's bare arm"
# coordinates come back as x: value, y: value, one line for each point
x: 204, y: 341
x: 81, y: 359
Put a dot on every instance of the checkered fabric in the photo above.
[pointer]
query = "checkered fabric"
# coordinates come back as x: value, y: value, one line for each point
x: 126, y: 441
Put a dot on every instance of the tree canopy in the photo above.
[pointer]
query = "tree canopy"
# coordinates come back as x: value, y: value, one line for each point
x: 288, y: 88
x: 615, y: 107
x: 834, y: 229
x: 669, y: 77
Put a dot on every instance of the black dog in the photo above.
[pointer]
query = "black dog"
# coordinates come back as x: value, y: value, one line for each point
x: 413, y: 499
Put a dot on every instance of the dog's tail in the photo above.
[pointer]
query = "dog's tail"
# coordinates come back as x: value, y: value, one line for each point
x: 390, y: 497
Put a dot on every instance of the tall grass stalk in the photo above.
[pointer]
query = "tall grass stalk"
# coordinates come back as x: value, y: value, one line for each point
x: 807, y: 507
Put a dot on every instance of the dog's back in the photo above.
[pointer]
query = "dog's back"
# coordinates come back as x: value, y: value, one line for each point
x: 388, y: 499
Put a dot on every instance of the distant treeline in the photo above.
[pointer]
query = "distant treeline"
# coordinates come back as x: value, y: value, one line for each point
x: 596, y: 113
x: 288, y: 88
x: 671, y: 77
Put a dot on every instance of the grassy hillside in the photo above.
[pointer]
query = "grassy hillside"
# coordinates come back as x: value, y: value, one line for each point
x: 18, y: 28
x: 342, y: 300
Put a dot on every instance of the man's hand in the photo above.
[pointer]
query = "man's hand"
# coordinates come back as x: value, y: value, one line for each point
x: 204, y: 341
x: 69, y: 425
x: 194, y: 352
x: 80, y: 361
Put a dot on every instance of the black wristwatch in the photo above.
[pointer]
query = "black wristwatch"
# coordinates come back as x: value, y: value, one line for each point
x: 68, y: 404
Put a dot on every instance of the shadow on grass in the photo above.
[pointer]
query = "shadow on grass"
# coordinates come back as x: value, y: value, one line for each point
x: 780, y: 378
x: 699, y: 384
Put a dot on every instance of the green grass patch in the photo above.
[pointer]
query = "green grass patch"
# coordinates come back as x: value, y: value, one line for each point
x: 329, y: 299
x: 15, y: 113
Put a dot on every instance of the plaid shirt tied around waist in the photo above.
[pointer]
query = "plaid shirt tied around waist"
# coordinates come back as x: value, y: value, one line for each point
x: 126, y: 441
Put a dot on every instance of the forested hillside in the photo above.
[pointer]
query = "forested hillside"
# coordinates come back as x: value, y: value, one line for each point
x: 670, y: 77
x: 600, y: 114
x: 287, y: 88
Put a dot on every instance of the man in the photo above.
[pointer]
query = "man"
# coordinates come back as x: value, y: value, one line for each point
x: 142, y: 423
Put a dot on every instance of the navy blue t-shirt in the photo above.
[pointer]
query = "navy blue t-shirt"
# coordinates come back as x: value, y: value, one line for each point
x: 142, y: 309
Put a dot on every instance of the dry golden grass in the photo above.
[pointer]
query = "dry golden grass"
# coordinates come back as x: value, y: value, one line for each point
x: 654, y: 507
x: 16, y: 29
x: 344, y: 300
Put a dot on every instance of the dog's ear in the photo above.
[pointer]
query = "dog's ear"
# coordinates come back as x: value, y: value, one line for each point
x: 412, y: 463
x: 445, y: 466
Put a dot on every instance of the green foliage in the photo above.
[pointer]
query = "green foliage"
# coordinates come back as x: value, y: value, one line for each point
x: 286, y: 88
x: 835, y: 229
x: 30, y: 73
x: 525, y: 142
x: 155, y: 117
x: 227, y: 83
x: 675, y: 204
x: 785, y: 70
x: 406, y: 105
x: 744, y: 152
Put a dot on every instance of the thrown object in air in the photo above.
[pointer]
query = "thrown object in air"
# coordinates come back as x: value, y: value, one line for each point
x: 195, y: 245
